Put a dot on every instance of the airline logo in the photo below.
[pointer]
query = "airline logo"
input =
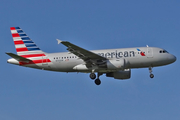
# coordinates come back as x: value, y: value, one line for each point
x: 142, y: 53
x: 26, y: 48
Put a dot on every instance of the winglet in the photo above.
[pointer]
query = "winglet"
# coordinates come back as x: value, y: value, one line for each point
x: 59, y: 41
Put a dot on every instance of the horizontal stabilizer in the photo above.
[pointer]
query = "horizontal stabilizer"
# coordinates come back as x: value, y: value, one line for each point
x: 18, y: 58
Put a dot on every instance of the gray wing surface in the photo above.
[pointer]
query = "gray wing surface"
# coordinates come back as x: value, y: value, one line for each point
x: 87, y: 56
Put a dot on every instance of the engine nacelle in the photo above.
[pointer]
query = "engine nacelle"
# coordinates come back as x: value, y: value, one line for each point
x: 116, y: 64
x: 124, y: 74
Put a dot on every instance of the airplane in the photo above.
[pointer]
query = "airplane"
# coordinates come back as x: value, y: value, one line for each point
x: 115, y: 63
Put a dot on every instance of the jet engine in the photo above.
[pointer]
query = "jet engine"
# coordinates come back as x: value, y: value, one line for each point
x: 116, y: 64
x: 122, y: 74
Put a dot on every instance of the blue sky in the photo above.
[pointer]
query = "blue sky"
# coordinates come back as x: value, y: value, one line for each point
x: 30, y: 94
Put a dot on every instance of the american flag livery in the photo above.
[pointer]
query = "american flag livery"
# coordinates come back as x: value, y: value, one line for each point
x: 26, y: 48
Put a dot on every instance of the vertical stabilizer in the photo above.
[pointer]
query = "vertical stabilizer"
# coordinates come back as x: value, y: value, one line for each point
x: 23, y: 44
x: 26, y: 48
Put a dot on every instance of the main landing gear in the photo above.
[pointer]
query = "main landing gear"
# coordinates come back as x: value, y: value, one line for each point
x: 93, y: 76
x: 150, y: 71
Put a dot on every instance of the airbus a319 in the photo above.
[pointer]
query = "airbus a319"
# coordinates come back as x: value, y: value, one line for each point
x: 115, y: 63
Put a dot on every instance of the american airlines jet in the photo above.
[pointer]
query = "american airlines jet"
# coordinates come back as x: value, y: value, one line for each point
x: 116, y: 63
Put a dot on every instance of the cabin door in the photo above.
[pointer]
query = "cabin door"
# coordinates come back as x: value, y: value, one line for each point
x: 149, y: 52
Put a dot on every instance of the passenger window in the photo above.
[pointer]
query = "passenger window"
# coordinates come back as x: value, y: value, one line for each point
x: 160, y: 51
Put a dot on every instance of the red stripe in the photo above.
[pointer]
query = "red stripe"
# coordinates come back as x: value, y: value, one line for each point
x: 15, y: 35
x: 35, y: 62
x: 32, y: 55
x: 21, y: 49
x: 18, y: 42
x: 12, y: 28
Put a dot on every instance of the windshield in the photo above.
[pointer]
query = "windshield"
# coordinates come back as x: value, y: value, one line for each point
x: 163, y: 51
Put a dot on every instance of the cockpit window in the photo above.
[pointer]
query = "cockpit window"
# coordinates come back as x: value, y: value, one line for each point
x: 163, y: 51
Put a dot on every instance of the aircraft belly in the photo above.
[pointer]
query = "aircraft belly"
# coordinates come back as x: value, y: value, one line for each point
x: 140, y: 62
x: 66, y: 66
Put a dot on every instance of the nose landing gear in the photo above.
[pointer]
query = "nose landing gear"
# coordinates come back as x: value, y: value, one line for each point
x: 150, y: 71
x: 151, y: 75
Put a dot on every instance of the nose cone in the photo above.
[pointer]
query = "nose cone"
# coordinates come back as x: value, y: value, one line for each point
x: 172, y: 58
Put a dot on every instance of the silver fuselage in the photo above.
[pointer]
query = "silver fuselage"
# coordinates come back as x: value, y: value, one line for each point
x: 66, y: 61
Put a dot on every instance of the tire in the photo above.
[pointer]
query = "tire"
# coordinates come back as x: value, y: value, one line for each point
x: 97, y: 82
x: 92, y: 76
x: 151, y: 76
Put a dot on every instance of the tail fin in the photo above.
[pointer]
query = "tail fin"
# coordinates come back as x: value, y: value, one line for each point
x: 28, y: 52
x: 23, y: 44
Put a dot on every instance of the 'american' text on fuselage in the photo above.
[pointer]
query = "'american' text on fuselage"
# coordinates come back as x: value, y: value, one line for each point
x: 117, y: 54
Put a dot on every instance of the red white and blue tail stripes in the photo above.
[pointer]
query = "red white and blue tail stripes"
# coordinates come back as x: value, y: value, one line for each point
x: 26, y: 48
x: 22, y: 42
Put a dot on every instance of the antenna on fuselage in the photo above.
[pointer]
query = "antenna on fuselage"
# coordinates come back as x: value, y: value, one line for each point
x: 147, y: 46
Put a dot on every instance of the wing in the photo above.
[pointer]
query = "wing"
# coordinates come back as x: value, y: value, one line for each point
x: 88, y: 56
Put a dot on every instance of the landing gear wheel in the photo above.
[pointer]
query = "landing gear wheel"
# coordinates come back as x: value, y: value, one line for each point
x: 97, y: 82
x: 151, y: 76
x: 92, y: 76
x: 150, y: 71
